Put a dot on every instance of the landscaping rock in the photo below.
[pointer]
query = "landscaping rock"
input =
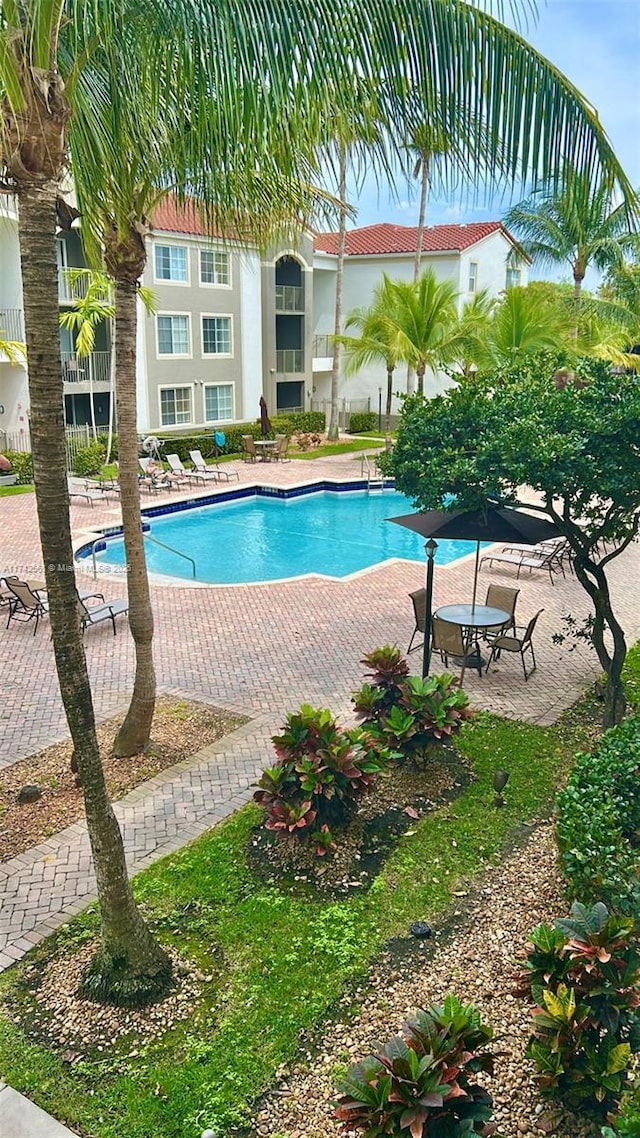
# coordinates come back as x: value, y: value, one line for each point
x: 28, y: 794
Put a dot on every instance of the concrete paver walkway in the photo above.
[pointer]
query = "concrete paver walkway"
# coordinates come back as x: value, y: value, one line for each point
x: 261, y: 650
x: 20, y: 1118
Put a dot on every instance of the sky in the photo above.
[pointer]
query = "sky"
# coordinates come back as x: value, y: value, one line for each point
x: 596, y: 44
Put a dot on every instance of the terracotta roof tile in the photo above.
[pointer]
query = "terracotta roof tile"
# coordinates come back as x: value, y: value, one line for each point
x: 172, y: 217
x: 374, y: 240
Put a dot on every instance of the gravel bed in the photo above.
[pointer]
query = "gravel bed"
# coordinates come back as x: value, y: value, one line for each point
x: 474, y: 960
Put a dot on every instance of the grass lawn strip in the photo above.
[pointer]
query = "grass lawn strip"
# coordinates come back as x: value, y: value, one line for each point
x: 278, y: 963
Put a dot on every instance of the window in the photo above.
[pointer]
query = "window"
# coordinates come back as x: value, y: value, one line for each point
x: 514, y: 270
x: 175, y: 406
x: 218, y: 403
x: 214, y: 268
x: 216, y: 335
x: 171, y: 263
x: 473, y: 276
x: 173, y: 335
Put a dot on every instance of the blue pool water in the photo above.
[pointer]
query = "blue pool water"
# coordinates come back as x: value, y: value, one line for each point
x: 263, y: 538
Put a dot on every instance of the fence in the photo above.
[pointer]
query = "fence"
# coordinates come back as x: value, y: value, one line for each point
x: 20, y: 441
x: 12, y: 324
x: 346, y: 408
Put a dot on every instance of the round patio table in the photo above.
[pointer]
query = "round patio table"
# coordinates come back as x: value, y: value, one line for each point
x: 471, y: 617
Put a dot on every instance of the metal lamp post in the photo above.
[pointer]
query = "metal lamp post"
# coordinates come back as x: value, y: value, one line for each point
x: 430, y: 549
x: 379, y: 408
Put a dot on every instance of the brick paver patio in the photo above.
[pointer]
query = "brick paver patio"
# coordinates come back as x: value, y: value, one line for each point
x: 258, y: 649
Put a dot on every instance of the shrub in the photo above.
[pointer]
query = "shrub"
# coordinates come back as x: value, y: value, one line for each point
x: 627, y: 1123
x: 104, y: 439
x: 312, y: 422
x: 599, y: 820
x: 320, y: 773
x: 361, y: 421
x: 422, y: 1082
x: 406, y: 713
x: 22, y: 465
x: 583, y: 973
x: 89, y: 460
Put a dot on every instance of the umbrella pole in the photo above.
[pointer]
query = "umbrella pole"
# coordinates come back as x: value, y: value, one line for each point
x: 475, y: 576
x: 430, y: 549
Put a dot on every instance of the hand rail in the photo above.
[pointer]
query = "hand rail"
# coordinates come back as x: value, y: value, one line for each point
x: 172, y: 550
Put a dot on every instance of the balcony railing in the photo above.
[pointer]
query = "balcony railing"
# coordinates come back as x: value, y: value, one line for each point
x: 12, y: 324
x: 93, y: 368
x: 289, y: 298
x: 68, y: 291
x: 322, y: 345
x: 290, y: 360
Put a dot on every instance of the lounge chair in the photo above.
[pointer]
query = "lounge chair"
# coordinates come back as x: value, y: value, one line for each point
x: 212, y: 471
x: 515, y: 643
x: 447, y: 639
x: 83, y: 491
x: 95, y: 614
x: 153, y: 479
x: 179, y: 475
x: 281, y: 448
x: 501, y: 597
x: 25, y: 604
x: 549, y: 559
x: 249, y: 451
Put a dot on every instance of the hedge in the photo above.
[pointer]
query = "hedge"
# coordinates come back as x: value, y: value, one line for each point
x: 599, y: 821
x: 89, y: 460
x: 362, y: 421
x: 22, y: 465
x: 181, y: 444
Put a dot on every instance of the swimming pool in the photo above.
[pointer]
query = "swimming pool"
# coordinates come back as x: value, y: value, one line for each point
x: 262, y: 537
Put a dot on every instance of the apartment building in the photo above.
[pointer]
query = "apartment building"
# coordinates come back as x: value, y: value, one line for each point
x: 475, y: 256
x: 231, y: 324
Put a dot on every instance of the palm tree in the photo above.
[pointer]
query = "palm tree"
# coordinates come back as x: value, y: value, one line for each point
x: 90, y: 309
x: 377, y: 342
x: 575, y: 224
x: 424, y: 315
x: 251, y: 104
x: 524, y: 322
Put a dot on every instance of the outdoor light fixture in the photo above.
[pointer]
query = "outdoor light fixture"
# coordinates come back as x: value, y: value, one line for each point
x: 500, y: 780
x: 430, y: 550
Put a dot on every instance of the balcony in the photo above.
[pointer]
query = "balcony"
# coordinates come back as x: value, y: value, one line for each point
x: 290, y: 360
x: 93, y: 368
x: 289, y: 298
x: 68, y: 292
x: 12, y: 324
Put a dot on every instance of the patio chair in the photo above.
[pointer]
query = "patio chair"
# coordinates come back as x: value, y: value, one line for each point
x: 281, y: 448
x: 83, y: 491
x: 249, y: 452
x: 25, y: 604
x: 179, y: 475
x: 447, y: 639
x: 152, y: 479
x: 548, y: 559
x: 419, y: 602
x: 515, y: 643
x: 213, y: 470
x: 501, y: 597
x: 95, y: 614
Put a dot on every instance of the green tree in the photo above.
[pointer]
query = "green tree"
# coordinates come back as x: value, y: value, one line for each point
x: 523, y: 322
x: 576, y: 225
x: 424, y: 317
x: 91, y: 307
x: 377, y: 342
x: 575, y: 444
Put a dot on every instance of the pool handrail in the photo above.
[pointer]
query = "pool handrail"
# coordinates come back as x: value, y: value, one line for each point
x: 145, y: 534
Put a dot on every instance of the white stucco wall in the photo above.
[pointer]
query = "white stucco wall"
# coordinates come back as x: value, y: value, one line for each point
x: 361, y: 276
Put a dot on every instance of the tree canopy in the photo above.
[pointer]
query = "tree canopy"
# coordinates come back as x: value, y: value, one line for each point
x: 574, y: 443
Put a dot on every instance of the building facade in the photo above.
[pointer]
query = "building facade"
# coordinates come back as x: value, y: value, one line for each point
x: 230, y: 324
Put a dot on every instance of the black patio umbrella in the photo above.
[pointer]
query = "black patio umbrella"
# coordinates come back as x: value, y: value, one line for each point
x: 495, y: 523
x: 265, y: 425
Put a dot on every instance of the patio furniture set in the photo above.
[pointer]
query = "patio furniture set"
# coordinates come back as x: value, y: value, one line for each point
x: 27, y: 601
x: 266, y: 450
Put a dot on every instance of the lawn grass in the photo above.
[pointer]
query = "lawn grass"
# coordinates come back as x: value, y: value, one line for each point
x: 329, y: 449
x: 7, y: 491
x: 280, y: 962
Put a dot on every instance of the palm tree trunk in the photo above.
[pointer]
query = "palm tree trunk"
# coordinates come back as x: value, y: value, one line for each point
x: 578, y: 277
x: 337, y: 348
x: 420, y: 374
x: 92, y: 406
x: 387, y: 418
x: 112, y: 390
x: 135, y: 732
x: 128, y: 952
x: 417, y: 264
